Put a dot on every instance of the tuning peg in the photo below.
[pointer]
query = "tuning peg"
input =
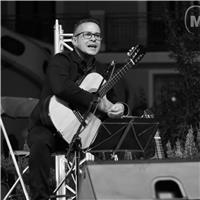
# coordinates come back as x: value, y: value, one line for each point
x: 130, y: 52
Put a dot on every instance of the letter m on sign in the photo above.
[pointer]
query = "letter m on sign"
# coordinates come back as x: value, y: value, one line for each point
x: 194, y: 21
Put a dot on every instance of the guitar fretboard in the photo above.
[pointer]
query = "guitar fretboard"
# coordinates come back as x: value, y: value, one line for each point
x: 116, y: 77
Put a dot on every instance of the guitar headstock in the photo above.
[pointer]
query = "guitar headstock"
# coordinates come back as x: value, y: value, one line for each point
x: 136, y: 53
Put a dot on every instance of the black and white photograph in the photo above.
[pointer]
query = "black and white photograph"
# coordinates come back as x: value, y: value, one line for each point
x: 100, y: 100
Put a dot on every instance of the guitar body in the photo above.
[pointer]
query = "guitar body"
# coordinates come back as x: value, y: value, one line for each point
x: 67, y: 123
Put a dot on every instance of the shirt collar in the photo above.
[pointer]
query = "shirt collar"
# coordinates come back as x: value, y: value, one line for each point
x: 85, y: 65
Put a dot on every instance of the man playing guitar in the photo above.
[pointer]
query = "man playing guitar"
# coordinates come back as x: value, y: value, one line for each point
x: 64, y: 74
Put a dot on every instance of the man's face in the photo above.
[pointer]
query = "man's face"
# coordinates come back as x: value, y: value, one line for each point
x: 86, y: 38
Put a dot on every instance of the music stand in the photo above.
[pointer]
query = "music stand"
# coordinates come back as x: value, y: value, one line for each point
x: 130, y: 133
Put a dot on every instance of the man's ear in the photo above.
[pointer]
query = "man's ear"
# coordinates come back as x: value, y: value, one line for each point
x: 74, y: 41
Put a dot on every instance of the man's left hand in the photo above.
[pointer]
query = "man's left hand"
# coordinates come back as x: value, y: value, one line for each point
x: 116, y: 111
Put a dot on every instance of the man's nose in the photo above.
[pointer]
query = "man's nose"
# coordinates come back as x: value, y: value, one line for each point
x: 93, y: 37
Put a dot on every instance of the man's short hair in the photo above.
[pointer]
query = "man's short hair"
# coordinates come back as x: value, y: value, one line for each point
x: 82, y: 21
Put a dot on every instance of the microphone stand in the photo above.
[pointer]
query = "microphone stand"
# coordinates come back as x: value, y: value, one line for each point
x: 76, y: 145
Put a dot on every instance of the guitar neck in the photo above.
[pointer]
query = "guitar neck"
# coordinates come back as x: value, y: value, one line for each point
x: 135, y: 54
x: 115, y: 78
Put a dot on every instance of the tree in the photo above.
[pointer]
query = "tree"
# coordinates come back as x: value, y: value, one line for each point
x: 178, y: 113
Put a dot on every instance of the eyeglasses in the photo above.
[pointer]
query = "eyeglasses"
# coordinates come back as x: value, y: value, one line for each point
x: 88, y: 35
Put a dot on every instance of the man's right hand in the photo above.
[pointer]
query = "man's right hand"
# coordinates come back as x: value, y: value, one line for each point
x: 104, y: 105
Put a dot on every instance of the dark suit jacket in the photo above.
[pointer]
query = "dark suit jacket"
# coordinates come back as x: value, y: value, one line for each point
x: 62, y: 74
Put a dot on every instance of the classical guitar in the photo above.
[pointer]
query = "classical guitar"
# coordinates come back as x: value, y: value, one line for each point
x: 67, y: 121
